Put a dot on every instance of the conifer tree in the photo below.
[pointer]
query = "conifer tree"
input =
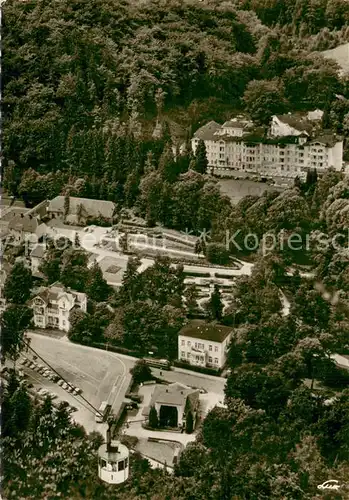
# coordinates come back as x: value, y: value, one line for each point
x: 201, y: 162
x: 189, y: 423
x: 215, y: 305
x: 18, y: 284
x: 97, y: 288
x: 167, y: 166
x: 153, y: 418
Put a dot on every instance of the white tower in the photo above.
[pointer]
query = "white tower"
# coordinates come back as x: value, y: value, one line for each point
x: 113, y: 461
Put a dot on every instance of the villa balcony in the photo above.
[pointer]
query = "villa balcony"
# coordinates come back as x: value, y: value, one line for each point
x: 55, y: 312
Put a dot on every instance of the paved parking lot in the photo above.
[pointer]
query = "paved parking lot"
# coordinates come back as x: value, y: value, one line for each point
x: 102, y: 376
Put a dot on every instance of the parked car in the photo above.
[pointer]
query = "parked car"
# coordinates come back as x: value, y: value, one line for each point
x: 65, y: 385
x: 60, y: 382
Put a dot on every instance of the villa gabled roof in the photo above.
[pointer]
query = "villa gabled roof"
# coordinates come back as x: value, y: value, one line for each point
x: 57, y: 291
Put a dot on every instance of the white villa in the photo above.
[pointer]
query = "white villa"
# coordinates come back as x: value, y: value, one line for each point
x: 295, y: 144
x: 204, y: 344
x: 53, y: 304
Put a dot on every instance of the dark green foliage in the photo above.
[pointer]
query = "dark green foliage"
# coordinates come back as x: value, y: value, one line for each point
x: 189, y: 423
x: 14, y: 322
x: 141, y: 372
x: 215, y: 305
x: 217, y: 253
x: 97, y: 288
x: 191, y: 299
x: 51, y: 266
x: 18, y: 284
x: 264, y: 99
x: 153, y: 418
x: 201, y: 162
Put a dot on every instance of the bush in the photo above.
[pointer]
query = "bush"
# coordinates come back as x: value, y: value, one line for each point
x: 204, y: 369
x: 189, y: 423
x: 129, y: 441
x: 153, y: 418
x: 335, y: 377
x: 224, y: 276
x: 197, y: 275
x: 217, y: 253
x: 141, y: 372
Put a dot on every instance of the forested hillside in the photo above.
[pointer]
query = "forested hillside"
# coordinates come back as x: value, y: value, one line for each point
x: 86, y: 82
x: 96, y: 94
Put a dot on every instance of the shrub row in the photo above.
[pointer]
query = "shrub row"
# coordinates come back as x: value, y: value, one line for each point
x: 205, y: 370
x: 224, y: 276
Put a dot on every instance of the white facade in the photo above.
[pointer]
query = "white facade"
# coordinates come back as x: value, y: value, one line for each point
x: 293, y: 155
x: 52, y: 306
x: 203, y: 353
x: 113, y: 466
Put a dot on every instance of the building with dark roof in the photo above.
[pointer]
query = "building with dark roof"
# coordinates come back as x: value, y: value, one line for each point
x: 173, y: 402
x: 204, y: 344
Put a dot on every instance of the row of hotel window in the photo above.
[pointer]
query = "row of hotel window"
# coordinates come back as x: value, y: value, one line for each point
x: 286, y: 168
x: 197, y: 345
x: 210, y: 360
x: 265, y: 148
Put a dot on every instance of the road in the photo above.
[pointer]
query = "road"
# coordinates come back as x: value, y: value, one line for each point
x: 102, y: 376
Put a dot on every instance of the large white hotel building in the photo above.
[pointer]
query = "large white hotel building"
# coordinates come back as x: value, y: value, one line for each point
x: 293, y: 145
